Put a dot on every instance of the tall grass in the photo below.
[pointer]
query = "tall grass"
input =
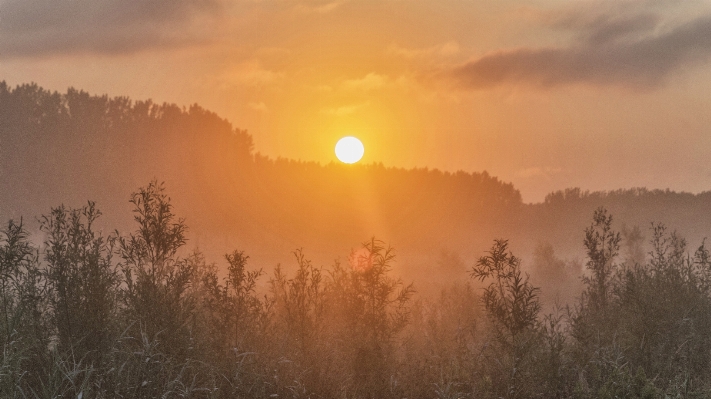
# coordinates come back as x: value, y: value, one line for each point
x: 87, y: 315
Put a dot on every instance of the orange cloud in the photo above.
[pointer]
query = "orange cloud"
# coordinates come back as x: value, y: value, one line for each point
x: 344, y: 110
x: 369, y: 82
x: 443, y: 50
x: 321, y: 8
x: 258, y: 106
x: 545, y: 172
x: 251, y: 73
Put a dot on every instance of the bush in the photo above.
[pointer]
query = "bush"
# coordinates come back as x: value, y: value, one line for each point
x: 512, y: 307
x: 89, y: 315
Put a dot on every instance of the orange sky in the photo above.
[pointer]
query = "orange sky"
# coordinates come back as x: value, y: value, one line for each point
x: 546, y: 94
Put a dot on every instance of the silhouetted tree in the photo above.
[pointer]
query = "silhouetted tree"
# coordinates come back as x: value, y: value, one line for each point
x: 156, y: 280
x: 512, y: 306
x: 82, y: 280
x: 602, y: 245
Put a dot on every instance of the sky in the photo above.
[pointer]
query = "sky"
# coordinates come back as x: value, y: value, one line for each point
x: 546, y: 94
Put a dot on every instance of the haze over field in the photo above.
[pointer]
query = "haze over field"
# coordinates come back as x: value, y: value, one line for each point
x: 73, y: 147
x: 545, y: 94
x: 355, y: 199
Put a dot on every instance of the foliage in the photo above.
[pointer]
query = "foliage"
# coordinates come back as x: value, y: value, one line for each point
x: 512, y: 305
x: 602, y: 246
x: 511, y: 302
x: 82, y: 281
x: 156, y: 282
x: 89, y: 315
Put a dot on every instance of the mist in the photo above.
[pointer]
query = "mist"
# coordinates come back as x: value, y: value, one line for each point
x: 152, y: 250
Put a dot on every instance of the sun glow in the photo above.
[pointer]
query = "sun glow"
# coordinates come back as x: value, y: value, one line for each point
x: 349, y: 149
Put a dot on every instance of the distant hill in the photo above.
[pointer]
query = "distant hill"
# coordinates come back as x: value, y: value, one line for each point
x: 564, y: 213
x: 71, y: 147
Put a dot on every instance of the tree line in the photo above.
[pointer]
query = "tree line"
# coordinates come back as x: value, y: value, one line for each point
x: 67, y: 147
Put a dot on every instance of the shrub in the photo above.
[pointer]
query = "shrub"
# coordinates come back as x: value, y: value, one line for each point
x: 82, y: 281
x: 512, y: 307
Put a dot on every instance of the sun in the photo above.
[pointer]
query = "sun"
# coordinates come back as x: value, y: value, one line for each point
x: 349, y: 150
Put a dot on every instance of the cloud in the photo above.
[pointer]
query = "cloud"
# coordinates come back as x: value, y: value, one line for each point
x: 369, y: 82
x: 250, y: 73
x: 48, y: 27
x: 606, y: 27
x: 630, y: 51
x: 344, y: 110
x: 319, y: 7
x: 274, y: 51
x: 259, y: 107
x: 545, y: 172
x: 443, y: 50
x: 324, y: 88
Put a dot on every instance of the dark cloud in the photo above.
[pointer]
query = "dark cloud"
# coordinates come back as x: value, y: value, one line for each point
x: 606, y: 29
x: 610, y: 50
x: 600, y: 23
x: 45, y: 27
